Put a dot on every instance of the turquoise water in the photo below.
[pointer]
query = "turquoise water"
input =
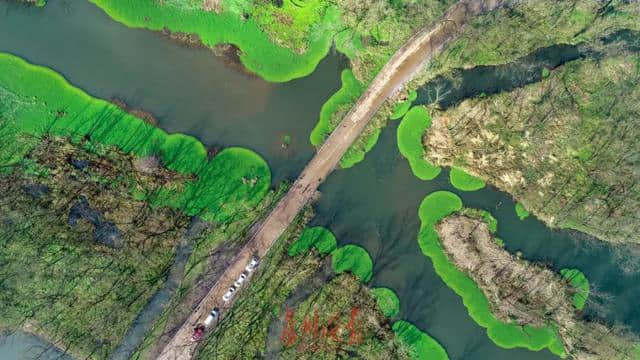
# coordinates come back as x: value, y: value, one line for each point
x: 373, y: 204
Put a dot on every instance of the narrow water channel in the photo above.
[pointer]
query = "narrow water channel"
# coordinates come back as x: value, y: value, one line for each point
x: 373, y: 204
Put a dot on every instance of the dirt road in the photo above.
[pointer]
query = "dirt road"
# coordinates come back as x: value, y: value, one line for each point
x: 406, y: 62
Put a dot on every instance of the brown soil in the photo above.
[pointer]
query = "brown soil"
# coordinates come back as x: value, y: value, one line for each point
x: 185, y: 39
x: 231, y: 57
x: 140, y: 114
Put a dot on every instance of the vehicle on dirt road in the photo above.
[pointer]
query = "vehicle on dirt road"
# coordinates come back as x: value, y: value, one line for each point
x: 253, y: 264
x: 213, y: 315
x: 198, y: 331
x: 241, y: 279
x: 229, y: 294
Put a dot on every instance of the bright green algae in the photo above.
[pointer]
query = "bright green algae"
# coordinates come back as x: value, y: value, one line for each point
x: 521, y: 212
x: 44, y: 102
x: 437, y: 206
x: 387, y: 301
x: 423, y: 346
x: 581, y: 285
x: 318, y: 237
x: 463, y: 181
x: 349, y: 91
x: 354, y: 259
x: 410, y: 131
x: 401, y: 108
x: 259, y: 55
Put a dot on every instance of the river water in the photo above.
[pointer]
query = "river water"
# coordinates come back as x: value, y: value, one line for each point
x: 373, y: 204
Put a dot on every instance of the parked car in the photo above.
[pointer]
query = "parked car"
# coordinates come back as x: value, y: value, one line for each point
x: 241, y: 279
x: 229, y: 294
x: 198, y: 331
x: 213, y: 315
x: 253, y: 264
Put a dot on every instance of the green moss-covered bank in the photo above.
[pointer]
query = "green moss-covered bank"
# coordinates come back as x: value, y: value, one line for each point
x: 521, y: 212
x: 400, y: 109
x: 461, y: 180
x: 435, y: 207
x: 258, y: 53
x: 354, y: 259
x: 317, y: 237
x: 387, y: 301
x: 580, y: 283
x: 37, y: 101
x: 423, y: 347
x: 410, y: 131
x: 97, y: 203
x: 336, y: 107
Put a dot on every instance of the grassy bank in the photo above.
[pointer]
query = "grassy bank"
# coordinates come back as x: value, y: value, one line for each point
x: 437, y: 206
x: 410, y: 132
x: 292, y: 274
x: 461, y: 180
x: 490, y: 39
x: 560, y: 146
x: 580, y: 284
x: 336, y: 107
x: 97, y: 201
x: 37, y: 101
x: 258, y: 53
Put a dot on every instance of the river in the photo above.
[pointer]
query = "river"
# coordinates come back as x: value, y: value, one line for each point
x: 373, y: 204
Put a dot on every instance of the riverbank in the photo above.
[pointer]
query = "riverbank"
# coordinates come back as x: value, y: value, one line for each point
x: 558, y: 146
x: 113, y: 194
x: 527, y: 293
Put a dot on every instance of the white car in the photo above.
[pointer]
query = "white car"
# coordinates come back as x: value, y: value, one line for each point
x: 229, y: 294
x: 253, y: 264
x: 241, y: 279
x: 212, y: 316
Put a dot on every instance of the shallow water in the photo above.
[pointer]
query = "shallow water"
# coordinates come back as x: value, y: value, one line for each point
x: 23, y: 346
x: 373, y: 204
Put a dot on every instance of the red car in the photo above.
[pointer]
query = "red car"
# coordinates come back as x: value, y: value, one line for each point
x: 197, y: 333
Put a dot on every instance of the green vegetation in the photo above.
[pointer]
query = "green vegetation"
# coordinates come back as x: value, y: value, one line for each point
x: 61, y: 283
x: 521, y: 211
x: 461, y: 180
x: 489, y: 40
x: 37, y: 101
x: 336, y: 107
x: 295, y: 23
x: 401, y: 108
x: 258, y: 53
x: 435, y: 207
x: 387, y: 301
x: 354, y: 259
x: 410, y: 131
x: 248, y: 321
x: 484, y: 215
x: 347, y: 306
x: 423, y: 346
x: 79, y: 274
x: 581, y: 285
x: 559, y: 145
x: 318, y: 237
x: 265, y: 303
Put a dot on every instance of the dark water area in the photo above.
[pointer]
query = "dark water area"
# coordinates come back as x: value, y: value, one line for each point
x: 373, y: 204
x: 20, y: 346
x: 187, y: 90
x: 448, y: 90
